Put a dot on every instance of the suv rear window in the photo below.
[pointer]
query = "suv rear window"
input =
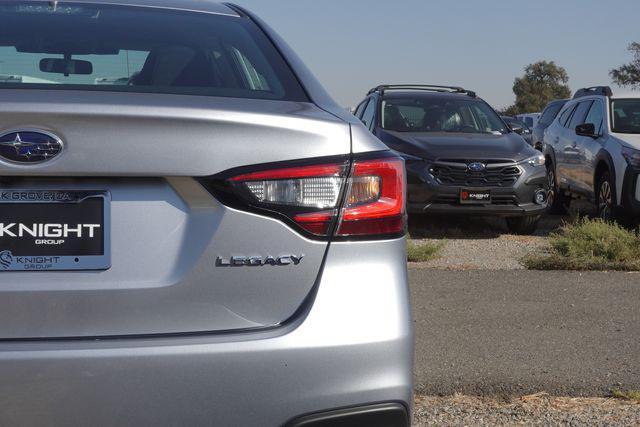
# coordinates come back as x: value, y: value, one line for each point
x: 138, y: 49
x: 550, y: 113
x: 625, y: 115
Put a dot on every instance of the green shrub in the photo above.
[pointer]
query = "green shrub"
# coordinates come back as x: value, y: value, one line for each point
x: 589, y: 244
x: 423, y: 251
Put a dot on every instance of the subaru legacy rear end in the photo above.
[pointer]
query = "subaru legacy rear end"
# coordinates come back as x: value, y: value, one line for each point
x: 191, y: 231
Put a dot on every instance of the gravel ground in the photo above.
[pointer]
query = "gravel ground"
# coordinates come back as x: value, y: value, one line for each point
x: 478, y: 243
x: 539, y: 409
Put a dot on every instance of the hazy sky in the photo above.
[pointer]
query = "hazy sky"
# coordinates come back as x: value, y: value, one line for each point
x: 353, y: 45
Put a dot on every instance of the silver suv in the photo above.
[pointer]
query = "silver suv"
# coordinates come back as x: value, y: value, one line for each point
x: 593, y: 151
x: 191, y: 231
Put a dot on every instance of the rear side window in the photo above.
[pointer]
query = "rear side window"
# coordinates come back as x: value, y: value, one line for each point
x: 136, y: 49
x: 361, y: 108
x: 550, y: 113
x: 566, y: 114
x: 580, y: 114
x: 595, y: 116
x: 369, y: 113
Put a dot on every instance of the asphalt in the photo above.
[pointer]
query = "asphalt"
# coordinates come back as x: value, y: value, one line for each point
x: 505, y: 333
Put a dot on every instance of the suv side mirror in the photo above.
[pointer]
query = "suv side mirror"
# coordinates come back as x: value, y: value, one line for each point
x: 587, y: 129
x: 517, y: 129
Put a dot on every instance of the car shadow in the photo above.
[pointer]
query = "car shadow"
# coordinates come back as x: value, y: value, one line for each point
x: 476, y: 227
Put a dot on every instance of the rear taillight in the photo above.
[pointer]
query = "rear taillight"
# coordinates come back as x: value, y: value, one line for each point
x: 375, y: 199
x: 363, y: 198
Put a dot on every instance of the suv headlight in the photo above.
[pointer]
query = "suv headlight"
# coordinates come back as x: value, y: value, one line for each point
x: 632, y: 157
x: 537, y: 160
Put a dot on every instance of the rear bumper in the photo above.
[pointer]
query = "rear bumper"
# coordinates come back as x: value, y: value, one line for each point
x: 426, y: 195
x: 353, y: 347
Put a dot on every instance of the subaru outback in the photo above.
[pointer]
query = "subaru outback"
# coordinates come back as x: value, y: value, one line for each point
x: 191, y: 231
x: 593, y: 152
x: 461, y: 157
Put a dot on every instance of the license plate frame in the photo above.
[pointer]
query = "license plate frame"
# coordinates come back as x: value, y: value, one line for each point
x: 475, y: 197
x: 50, y: 254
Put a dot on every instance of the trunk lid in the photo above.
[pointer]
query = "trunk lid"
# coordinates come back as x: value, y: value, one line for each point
x: 165, y: 229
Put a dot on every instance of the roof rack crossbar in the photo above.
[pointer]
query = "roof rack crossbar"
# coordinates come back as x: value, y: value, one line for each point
x: 593, y: 90
x: 432, y: 88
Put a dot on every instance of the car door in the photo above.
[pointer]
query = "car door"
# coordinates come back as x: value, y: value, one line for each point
x: 588, y: 148
x: 559, y: 143
x: 572, y: 156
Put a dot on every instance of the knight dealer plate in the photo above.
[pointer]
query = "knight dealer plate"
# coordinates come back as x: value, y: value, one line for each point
x: 54, y: 230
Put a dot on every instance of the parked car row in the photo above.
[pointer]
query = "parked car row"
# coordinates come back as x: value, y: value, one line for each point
x: 461, y: 157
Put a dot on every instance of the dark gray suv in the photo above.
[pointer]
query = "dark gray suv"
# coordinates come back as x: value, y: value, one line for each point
x: 461, y: 157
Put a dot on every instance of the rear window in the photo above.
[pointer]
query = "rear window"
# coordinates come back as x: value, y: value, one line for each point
x: 137, y: 49
x: 550, y: 113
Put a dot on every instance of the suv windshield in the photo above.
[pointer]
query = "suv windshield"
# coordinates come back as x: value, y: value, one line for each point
x: 625, y: 115
x: 440, y: 114
x: 136, y: 49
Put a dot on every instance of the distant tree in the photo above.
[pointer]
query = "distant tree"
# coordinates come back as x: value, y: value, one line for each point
x: 541, y: 83
x: 629, y: 74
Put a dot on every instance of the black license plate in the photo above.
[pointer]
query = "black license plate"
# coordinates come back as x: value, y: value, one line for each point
x: 54, y: 230
x: 475, y: 197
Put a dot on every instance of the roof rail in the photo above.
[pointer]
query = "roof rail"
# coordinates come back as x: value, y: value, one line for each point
x: 594, y: 90
x: 431, y: 88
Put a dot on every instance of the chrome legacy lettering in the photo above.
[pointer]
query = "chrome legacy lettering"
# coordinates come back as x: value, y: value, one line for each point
x: 258, y: 261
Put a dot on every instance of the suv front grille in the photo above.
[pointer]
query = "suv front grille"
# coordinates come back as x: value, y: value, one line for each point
x: 458, y: 174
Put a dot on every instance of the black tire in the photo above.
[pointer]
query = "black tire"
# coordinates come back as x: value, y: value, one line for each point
x: 525, y: 225
x: 606, y: 197
x: 558, y: 202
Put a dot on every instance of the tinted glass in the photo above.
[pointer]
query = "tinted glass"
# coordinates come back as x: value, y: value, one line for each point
x: 595, y: 116
x: 360, y: 109
x: 440, y: 115
x: 566, y: 114
x: 625, y: 116
x: 369, y: 112
x: 580, y: 114
x: 550, y: 113
x: 136, y: 49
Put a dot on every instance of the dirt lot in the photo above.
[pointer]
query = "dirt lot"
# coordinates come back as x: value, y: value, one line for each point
x: 474, y: 243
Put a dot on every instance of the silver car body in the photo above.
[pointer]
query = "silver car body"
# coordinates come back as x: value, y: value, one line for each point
x: 165, y: 336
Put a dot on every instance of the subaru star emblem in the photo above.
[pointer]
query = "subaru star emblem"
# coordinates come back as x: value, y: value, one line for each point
x: 476, y: 167
x: 29, y: 146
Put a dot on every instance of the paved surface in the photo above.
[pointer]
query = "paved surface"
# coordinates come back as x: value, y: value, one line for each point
x: 520, y: 332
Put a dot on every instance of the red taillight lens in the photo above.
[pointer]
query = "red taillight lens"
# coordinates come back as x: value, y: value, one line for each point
x: 375, y: 199
x: 373, y: 202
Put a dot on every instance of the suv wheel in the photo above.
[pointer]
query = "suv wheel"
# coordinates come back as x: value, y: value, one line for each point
x: 558, y: 202
x: 606, y: 197
x: 524, y: 224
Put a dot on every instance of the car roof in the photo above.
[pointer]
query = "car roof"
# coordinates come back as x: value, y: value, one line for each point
x: 205, y: 6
